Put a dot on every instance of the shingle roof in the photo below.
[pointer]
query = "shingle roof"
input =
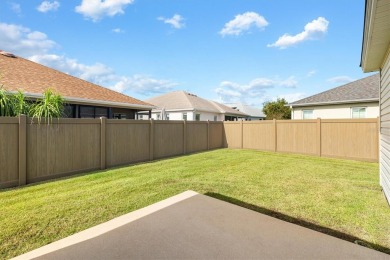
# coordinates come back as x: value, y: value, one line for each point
x: 362, y: 90
x: 181, y: 100
x: 17, y: 73
x: 252, y: 111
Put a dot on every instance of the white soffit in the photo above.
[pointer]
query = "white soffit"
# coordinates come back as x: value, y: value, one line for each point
x: 376, y: 34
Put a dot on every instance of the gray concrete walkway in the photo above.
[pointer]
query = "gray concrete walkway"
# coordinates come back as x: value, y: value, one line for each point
x: 194, y: 226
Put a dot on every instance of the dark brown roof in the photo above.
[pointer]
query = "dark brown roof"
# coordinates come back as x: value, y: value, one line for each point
x: 362, y: 90
x: 17, y: 73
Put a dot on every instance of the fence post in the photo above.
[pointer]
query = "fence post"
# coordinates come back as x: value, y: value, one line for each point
x: 103, y: 121
x: 319, y: 137
x: 151, y: 140
x: 378, y: 134
x: 22, y: 150
x: 242, y: 134
x: 208, y: 134
x: 276, y: 136
x: 184, y: 136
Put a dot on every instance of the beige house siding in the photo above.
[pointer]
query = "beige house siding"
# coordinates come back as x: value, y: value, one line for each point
x: 384, y: 159
x: 342, y: 111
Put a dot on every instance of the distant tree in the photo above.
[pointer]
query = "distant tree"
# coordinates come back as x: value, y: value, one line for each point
x: 277, y: 109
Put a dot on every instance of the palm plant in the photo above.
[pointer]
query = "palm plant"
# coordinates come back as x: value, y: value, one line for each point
x: 6, y: 103
x: 50, y: 106
x: 20, y: 105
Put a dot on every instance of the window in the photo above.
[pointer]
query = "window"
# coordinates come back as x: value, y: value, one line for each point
x: 197, y: 117
x: 93, y: 112
x: 358, y: 112
x: 119, y: 116
x: 215, y: 118
x: 307, y: 114
x: 184, y: 116
x: 69, y: 111
x: 87, y: 112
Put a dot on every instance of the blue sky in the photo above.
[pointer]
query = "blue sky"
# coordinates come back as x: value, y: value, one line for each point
x: 250, y: 51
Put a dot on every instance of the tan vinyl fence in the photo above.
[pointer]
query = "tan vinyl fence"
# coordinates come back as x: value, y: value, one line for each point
x: 340, y: 138
x: 30, y: 152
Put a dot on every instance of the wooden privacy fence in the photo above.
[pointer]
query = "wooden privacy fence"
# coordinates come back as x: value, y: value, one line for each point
x: 30, y: 152
x: 340, y: 138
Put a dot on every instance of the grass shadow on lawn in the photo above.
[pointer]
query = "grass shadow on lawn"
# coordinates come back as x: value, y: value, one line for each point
x: 299, y: 222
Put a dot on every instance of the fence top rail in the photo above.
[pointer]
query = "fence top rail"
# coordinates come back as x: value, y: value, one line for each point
x: 128, y: 121
x: 355, y: 120
x: 196, y: 122
x: 168, y: 121
x: 56, y: 121
x: 9, y: 120
x: 268, y: 122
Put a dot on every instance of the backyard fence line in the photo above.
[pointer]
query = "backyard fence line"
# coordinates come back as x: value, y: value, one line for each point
x: 32, y: 152
x: 356, y: 139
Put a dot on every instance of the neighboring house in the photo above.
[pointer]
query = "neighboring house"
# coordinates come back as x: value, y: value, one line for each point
x: 375, y: 57
x: 84, y: 99
x: 252, y: 112
x: 181, y: 105
x: 357, y: 99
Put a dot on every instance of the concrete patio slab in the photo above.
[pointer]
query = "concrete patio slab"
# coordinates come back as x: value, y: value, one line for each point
x: 195, y: 226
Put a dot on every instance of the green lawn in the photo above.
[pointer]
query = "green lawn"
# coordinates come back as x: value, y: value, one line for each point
x: 339, y: 197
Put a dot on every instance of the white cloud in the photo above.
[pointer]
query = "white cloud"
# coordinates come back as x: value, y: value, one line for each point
x: 143, y: 84
x: 16, y: 8
x: 313, y: 31
x: 177, y: 21
x: 97, y: 9
x: 290, y: 82
x: 243, y: 22
x: 252, y: 93
x: 234, y: 92
x: 23, y: 41
x: 311, y: 73
x: 47, y: 6
x: 340, y: 80
x: 117, y: 30
x: 97, y: 73
x: 105, y: 76
x: 292, y: 97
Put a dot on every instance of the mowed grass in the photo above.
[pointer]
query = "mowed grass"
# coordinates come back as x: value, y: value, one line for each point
x: 339, y: 197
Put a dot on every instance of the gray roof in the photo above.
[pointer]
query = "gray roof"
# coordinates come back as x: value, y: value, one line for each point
x: 251, y: 111
x: 362, y: 90
x: 181, y: 100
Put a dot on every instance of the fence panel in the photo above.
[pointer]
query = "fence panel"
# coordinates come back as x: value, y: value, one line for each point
x: 232, y: 134
x: 168, y: 138
x: 196, y: 136
x: 259, y: 135
x: 127, y: 142
x: 64, y: 147
x: 216, y: 135
x: 9, y: 152
x: 297, y: 136
x: 353, y: 139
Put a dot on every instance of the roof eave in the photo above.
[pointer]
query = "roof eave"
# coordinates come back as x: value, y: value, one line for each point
x: 335, y: 102
x: 372, y: 53
x: 85, y: 101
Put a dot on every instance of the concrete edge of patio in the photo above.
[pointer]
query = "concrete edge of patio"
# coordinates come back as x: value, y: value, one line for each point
x: 106, y: 226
